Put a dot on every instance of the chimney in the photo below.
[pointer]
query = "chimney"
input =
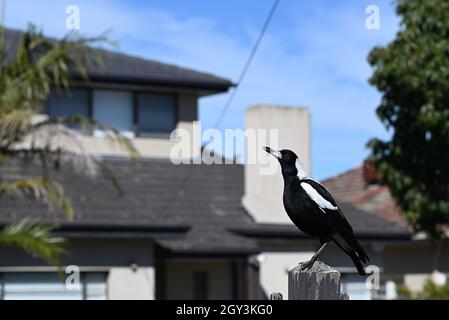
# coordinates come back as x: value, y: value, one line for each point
x: 263, y: 193
x: 370, y: 176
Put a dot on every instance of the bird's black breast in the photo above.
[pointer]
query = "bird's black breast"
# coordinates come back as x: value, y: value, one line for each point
x: 302, y: 210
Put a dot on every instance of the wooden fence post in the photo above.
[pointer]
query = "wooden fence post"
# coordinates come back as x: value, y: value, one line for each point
x: 276, y: 296
x: 320, y: 282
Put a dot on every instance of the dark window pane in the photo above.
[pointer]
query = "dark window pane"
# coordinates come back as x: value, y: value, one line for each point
x: 68, y: 103
x: 157, y: 113
x: 200, y: 285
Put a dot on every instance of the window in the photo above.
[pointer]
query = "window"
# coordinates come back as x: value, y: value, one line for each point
x: 49, y: 286
x: 156, y: 114
x: 114, y: 108
x: 68, y: 103
x: 131, y: 113
x: 200, y: 285
x: 94, y: 286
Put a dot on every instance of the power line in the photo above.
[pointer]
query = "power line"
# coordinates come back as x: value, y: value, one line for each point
x: 248, y: 63
x: 227, y: 104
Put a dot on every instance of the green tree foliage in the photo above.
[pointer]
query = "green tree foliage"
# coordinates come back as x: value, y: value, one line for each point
x: 429, y: 291
x: 434, y: 291
x: 412, y: 73
x: 27, y: 74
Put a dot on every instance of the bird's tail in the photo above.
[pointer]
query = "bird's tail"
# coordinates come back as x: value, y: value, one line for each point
x: 358, y: 264
x: 355, y: 251
x: 361, y: 254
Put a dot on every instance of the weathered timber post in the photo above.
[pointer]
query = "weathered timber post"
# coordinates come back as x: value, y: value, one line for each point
x: 276, y: 296
x: 320, y: 282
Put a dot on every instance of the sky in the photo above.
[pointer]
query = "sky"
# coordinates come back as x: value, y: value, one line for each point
x: 313, y: 55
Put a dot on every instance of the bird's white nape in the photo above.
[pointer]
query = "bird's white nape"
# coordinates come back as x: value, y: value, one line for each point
x: 302, y: 174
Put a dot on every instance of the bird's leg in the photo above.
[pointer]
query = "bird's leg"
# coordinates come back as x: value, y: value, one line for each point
x: 308, y: 264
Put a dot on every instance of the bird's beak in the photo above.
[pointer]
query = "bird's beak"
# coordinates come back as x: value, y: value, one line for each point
x: 273, y: 152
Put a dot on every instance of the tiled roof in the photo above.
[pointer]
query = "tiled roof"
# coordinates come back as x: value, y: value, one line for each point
x: 374, y: 199
x: 371, y: 227
x: 207, y: 198
x: 123, y: 68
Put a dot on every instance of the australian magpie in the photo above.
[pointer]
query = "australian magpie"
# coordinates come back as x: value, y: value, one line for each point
x: 313, y: 210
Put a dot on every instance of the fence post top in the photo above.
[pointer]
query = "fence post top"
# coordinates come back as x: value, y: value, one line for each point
x: 318, y: 267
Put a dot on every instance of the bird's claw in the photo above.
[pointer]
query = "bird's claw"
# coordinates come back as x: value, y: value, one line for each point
x: 305, y: 265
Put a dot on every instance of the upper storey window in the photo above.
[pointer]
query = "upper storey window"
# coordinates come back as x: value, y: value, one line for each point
x: 132, y: 113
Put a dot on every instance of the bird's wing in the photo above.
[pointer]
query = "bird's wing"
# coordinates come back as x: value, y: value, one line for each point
x: 319, y: 194
x: 323, y: 199
x: 342, y: 231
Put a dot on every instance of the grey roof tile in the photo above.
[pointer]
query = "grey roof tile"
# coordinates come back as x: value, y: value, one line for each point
x: 364, y: 226
x: 155, y: 192
x: 207, y: 198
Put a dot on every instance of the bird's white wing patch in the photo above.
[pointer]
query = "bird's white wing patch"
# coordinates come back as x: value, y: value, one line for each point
x: 315, y: 196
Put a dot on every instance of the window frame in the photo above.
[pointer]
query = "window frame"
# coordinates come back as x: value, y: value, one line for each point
x: 135, y: 108
x: 2, y: 286
x: 83, y: 281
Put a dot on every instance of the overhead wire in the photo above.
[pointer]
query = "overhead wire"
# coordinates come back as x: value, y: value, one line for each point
x: 229, y: 100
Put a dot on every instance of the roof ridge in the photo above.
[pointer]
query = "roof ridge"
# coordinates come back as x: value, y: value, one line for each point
x: 348, y: 171
x: 149, y: 67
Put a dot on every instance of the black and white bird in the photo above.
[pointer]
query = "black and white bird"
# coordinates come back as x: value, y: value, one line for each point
x: 313, y: 210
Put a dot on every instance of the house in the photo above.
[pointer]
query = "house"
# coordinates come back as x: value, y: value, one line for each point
x: 167, y: 235
x: 154, y: 241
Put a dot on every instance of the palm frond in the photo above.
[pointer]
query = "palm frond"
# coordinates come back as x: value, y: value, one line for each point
x: 111, y: 135
x: 34, y: 238
x: 41, y: 188
x: 39, y: 65
x: 114, y: 137
x: 12, y: 124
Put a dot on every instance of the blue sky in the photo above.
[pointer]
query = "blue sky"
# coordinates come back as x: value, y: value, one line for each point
x: 313, y: 55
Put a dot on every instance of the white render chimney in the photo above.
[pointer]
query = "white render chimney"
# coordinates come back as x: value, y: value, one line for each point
x: 263, y: 193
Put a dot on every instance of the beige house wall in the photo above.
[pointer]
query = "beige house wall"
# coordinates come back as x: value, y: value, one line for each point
x: 155, y: 147
x: 274, y: 270
x: 417, y: 262
x: 126, y: 284
x: 114, y: 257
